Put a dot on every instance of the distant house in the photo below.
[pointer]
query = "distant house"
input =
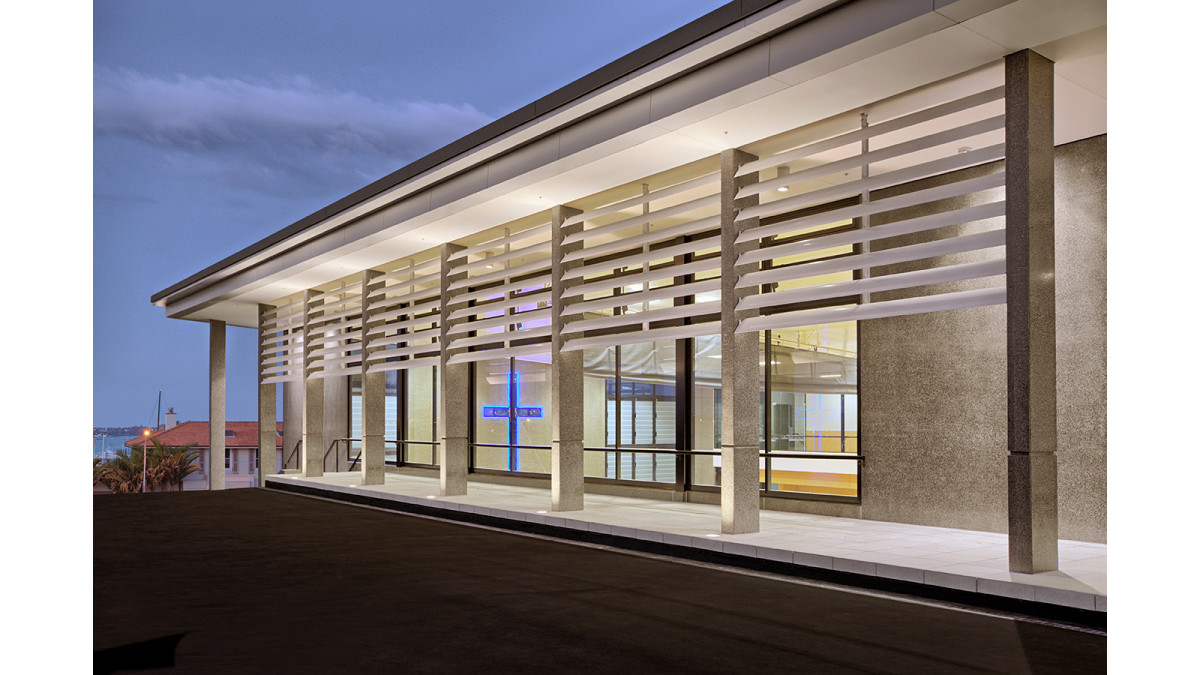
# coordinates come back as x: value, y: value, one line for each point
x: 241, y: 449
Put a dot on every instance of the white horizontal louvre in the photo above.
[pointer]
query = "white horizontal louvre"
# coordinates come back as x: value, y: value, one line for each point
x: 710, y: 180
x: 653, y: 334
x: 612, y: 255
x: 281, y: 355
x: 807, y: 255
x: 394, y: 294
x: 491, y: 260
x: 667, y: 272
x: 335, y: 297
x: 504, y: 320
x: 412, y: 273
x: 402, y: 351
x: 631, y: 317
x: 507, y: 273
x: 644, y: 257
x: 513, y: 309
x: 406, y: 325
x: 422, y: 362
x: 400, y: 301
x: 418, y: 311
x: 334, y: 330
x: 889, y: 282
x: 663, y: 293
x: 955, y: 189
x: 876, y: 310
x: 690, y: 227
x: 283, y: 313
x: 540, y: 348
x: 971, y: 242
x: 490, y: 338
x: 539, y: 281
x: 900, y: 149
x: 926, y: 115
x: 609, y: 228
x: 541, y: 230
x: 883, y: 180
x: 495, y: 306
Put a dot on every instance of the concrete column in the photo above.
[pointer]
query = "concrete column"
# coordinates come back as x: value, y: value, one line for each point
x: 566, y: 391
x: 266, y: 407
x: 293, y: 419
x: 312, y: 446
x: 216, y: 405
x: 454, y: 390
x: 337, y: 422
x: 1032, y: 381
x: 740, y: 372
x: 373, y: 397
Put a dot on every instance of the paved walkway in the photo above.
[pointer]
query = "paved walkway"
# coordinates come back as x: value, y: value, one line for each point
x: 961, y: 560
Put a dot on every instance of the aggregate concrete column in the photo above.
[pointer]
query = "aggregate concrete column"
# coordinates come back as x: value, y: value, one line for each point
x: 293, y: 419
x: 739, y: 361
x: 454, y: 391
x: 267, y: 425
x: 373, y: 396
x: 312, y: 445
x: 216, y: 405
x: 1032, y: 381
x: 337, y: 421
x: 566, y: 391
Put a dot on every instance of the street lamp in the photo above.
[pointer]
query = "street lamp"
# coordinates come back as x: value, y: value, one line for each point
x: 146, y: 434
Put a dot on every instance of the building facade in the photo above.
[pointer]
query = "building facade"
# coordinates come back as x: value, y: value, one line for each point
x: 838, y: 257
x: 239, y: 463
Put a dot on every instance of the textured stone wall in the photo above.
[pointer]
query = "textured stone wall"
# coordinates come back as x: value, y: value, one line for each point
x: 933, y: 386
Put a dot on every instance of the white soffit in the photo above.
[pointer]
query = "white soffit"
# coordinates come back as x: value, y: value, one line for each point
x: 1072, y: 33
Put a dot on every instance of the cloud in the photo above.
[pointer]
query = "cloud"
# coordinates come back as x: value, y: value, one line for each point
x: 282, y: 137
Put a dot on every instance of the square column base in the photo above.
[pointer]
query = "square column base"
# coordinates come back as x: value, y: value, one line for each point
x: 1032, y: 512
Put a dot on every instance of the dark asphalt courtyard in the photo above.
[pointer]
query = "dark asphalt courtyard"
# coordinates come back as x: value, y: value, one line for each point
x: 254, y: 580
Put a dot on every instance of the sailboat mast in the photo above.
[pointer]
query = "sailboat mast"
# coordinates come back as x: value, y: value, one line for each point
x: 158, y: 412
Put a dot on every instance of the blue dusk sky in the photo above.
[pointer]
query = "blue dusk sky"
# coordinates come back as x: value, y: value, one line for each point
x: 217, y: 123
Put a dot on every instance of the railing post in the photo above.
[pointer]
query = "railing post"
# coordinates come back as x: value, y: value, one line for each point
x: 1029, y: 254
x: 740, y: 369
x: 566, y: 397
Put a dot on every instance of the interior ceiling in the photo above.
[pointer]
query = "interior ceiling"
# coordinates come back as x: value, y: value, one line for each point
x: 930, y: 68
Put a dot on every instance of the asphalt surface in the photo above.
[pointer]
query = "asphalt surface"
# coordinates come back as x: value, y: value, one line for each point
x: 254, y: 580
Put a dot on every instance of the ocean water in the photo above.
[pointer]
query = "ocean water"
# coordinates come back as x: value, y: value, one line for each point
x: 111, y: 443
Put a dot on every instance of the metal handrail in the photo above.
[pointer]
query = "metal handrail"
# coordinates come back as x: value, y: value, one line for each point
x: 782, y: 455
x: 290, y: 456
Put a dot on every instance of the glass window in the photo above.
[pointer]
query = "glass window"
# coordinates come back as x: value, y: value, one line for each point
x: 813, y: 388
x: 706, y: 409
x: 512, y: 412
x: 632, y: 389
x: 420, y: 401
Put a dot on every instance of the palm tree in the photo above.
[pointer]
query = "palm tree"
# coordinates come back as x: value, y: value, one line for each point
x: 170, y: 465
x: 121, y: 473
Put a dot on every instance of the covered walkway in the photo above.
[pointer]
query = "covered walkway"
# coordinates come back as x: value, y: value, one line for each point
x: 957, y: 564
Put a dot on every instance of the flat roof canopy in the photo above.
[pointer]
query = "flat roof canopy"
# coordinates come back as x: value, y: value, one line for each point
x: 743, y: 73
